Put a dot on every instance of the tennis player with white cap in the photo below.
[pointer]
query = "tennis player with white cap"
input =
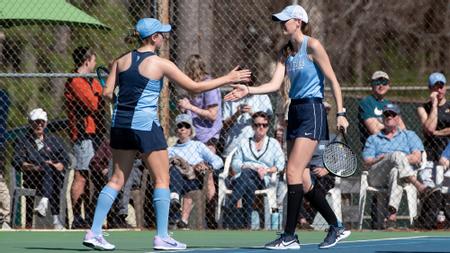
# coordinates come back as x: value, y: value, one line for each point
x: 307, y: 64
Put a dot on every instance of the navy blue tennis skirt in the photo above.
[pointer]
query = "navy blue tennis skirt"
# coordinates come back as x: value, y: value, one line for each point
x: 307, y: 118
x: 144, y: 141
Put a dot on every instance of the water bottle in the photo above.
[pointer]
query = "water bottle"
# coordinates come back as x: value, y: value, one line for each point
x: 275, y: 219
x: 440, y: 224
x: 255, y: 220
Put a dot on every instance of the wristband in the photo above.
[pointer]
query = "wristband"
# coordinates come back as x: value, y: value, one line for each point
x: 343, y: 114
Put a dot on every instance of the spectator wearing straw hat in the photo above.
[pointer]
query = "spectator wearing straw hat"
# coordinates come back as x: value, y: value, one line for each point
x: 371, y: 107
x: 43, y: 159
x: 435, y: 117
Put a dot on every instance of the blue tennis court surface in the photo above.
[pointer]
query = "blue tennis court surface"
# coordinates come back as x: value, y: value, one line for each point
x: 394, y: 245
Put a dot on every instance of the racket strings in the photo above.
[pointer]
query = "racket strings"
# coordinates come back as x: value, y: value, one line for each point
x: 340, y: 159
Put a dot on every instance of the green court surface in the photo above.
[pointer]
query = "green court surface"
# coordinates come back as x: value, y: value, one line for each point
x: 198, y: 241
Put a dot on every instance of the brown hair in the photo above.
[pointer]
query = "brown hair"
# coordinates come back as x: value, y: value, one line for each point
x: 195, y: 68
x: 288, y: 49
x: 133, y: 38
x: 81, y: 54
x: 260, y: 114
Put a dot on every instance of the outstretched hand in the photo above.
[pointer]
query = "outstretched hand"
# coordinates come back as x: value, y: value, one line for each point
x: 238, y: 75
x: 239, y: 91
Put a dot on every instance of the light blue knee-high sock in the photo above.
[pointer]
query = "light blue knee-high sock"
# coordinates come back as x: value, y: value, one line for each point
x: 104, y: 203
x: 161, y: 203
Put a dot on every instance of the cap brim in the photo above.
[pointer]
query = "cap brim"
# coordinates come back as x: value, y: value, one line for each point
x: 165, y: 28
x: 280, y: 17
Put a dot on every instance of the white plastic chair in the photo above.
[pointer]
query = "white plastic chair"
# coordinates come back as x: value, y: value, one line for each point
x: 334, y: 199
x: 270, y: 196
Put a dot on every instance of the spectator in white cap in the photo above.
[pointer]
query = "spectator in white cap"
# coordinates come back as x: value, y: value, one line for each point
x: 136, y: 127
x: 435, y: 117
x: 371, y: 107
x: 305, y: 61
x: 42, y: 158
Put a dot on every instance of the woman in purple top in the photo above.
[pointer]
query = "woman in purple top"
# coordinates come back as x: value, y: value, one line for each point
x: 205, y: 108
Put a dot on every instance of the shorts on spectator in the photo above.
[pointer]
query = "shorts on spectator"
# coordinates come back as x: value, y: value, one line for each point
x: 83, y: 151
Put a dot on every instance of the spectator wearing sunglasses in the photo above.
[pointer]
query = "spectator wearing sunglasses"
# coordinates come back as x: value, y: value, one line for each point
x: 371, y: 107
x: 390, y: 156
x: 43, y: 159
x: 435, y: 117
x: 190, y: 160
x: 255, y: 161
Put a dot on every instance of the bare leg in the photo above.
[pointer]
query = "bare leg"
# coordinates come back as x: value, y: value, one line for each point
x: 299, y: 152
x: 187, y: 208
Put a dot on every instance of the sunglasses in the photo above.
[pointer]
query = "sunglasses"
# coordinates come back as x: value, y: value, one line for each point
x: 264, y: 125
x: 38, y: 122
x: 380, y: 81
x: 389, y: 114
x: 183, y: 124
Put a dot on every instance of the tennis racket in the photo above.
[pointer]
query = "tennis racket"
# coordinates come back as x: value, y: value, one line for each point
x: 102, y: 74
x: 338, y: 158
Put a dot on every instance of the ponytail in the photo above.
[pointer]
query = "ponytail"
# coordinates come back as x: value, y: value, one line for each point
x: 306, y: 29
x: 132, y: 37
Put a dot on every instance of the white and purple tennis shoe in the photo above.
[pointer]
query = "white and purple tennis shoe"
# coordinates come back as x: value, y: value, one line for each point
x: 167, y: 243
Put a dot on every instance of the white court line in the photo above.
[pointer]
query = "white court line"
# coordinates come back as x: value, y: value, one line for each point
x: 258, y: 248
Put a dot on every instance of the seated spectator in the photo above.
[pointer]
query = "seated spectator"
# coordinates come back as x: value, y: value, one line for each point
x: 42, y: 159
x: 190, y: 160
x: 371, y: 107
x: 5, y: 199
x: 5, y: 206
x: 254, y: 162
x: 237, y: 123
x: 435, y: 117
x: 390, y: 156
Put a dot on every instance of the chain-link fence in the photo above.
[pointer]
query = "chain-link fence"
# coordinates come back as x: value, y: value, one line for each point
x: 49, y: 186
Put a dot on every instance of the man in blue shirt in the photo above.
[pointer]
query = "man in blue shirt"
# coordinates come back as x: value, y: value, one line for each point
x: 392, y: 153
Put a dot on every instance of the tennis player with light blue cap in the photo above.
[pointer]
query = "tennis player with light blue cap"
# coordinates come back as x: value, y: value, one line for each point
x: 146, y: 27
x: 135, y: 126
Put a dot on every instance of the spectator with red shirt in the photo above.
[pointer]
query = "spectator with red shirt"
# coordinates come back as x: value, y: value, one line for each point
x: 83, y: 98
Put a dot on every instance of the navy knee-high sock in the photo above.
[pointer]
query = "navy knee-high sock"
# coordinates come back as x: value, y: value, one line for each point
x: 318, y: 201
x: 294, y: 202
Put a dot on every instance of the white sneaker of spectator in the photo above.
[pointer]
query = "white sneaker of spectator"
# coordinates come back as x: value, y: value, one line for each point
x: 57, y: 224
x: 41, y: 209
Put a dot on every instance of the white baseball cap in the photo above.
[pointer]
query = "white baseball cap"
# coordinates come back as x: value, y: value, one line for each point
x: 37, y: 114
x: 380, y: 74
x: 290, y: 12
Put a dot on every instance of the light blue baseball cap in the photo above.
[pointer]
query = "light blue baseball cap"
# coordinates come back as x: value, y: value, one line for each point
x: 148, y: 26
x: 435, y: 78
x: 391, y: 108
x: 290, y: 12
